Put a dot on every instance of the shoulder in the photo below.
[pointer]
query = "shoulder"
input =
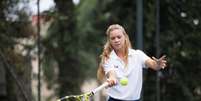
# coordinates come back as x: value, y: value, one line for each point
x: 139, y: 51
x: 135, y: 51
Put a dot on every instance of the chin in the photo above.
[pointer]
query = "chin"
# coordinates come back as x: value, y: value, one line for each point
x: 117, y: 48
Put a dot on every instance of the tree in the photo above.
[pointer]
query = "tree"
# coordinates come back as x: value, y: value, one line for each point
x: 61, y: 46
x: 77, y: 35
x: 179, y: 35
x: 15, y: 64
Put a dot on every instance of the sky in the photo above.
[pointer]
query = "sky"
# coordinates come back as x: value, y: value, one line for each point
x: 44, y: 5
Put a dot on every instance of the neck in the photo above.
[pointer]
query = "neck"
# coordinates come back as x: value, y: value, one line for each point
x: 120, y: 53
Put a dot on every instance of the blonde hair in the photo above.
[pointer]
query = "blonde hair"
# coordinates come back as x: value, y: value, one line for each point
x: 108, y: 48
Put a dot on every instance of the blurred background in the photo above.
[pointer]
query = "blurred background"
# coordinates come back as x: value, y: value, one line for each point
x: 50, y: 48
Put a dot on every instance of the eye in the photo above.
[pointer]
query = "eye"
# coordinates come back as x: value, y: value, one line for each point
x: 119, y: 37
x: 112, y: 38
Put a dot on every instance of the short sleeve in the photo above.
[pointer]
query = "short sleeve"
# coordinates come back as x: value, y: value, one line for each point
x: 142, y: 57
x: 108, y: 66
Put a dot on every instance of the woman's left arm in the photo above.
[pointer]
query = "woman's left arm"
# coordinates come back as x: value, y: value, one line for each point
x: 156, y: 64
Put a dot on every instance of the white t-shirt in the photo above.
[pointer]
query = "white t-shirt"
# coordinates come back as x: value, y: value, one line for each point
x: 136, y: 63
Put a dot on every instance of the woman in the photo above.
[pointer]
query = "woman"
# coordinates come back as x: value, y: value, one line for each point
x: 119, y: 61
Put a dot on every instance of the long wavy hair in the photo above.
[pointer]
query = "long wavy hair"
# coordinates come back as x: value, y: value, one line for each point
x: 108, y: 48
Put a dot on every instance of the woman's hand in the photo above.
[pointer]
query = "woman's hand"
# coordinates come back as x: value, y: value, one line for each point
x: 161, y: 62
x: 155, y: 63
x: 112, y: 81
x: 112, y: 78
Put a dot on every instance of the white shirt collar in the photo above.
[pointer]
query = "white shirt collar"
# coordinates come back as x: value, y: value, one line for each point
x: 114, y: 55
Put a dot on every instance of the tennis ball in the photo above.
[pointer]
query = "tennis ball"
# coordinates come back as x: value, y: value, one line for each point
x: 124, y: 81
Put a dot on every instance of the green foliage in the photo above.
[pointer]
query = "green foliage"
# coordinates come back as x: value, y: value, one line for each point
x: 61, y: 48
x: 76, y: 37
x: 179, y: 41
x: 50, y: 70
x: 14, y: 25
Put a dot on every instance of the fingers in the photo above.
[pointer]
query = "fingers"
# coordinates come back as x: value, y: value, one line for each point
x: 163, y: 57
x: 111, y: 82
x: 163, y: 65
x: 161, y: 61
x: 155, y: 59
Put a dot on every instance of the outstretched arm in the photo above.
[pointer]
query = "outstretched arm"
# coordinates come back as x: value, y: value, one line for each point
x: 156, y: 64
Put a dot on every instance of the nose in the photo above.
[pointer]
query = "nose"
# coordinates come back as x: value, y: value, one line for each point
x: 116, y: 40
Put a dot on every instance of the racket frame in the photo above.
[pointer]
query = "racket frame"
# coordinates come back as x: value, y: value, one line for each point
x: 93, y: 92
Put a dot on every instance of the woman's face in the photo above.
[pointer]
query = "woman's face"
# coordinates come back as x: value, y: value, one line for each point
x: 117, y: 39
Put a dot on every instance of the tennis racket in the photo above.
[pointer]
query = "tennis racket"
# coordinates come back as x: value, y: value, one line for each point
x: 85, y: 96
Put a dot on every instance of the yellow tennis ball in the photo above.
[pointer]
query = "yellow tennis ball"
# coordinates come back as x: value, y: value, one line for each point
x: 124, y: 81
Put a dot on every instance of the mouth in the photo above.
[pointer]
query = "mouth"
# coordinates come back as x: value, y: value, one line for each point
x: 117, y: 45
